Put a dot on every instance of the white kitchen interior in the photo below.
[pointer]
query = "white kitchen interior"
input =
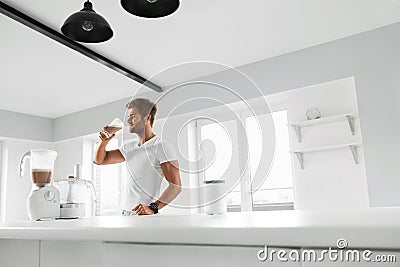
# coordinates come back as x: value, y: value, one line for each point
x: 293, y: 104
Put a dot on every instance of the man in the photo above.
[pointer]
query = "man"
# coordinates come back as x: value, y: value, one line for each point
x: 149, y: 160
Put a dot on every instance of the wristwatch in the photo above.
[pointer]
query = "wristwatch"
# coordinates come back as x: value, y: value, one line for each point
x: 154, y: 207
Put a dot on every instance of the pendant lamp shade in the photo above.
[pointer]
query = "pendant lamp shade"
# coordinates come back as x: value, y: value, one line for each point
x: 150, y: 8
x: 87, y: 26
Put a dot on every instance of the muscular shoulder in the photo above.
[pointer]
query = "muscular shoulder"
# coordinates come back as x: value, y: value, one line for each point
x: 165, y: 151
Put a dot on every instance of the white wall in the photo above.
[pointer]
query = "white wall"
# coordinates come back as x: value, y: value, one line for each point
x: 24, y: 126
x: 85, y: 123
x: 69, y: 152
x: 330, y: 179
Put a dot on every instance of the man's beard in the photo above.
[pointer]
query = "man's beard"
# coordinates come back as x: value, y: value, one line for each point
x: 137, y: 129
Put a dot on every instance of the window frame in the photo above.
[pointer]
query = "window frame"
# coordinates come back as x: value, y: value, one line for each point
x: 95, y: 168
x: 246, y: 196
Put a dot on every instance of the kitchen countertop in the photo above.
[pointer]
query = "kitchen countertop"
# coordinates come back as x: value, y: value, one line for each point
x: 369, y: 228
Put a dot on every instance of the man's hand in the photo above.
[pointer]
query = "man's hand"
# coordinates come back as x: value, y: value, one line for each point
x: 104, y: 136
x: 103, y: 157
x: 143, y: 210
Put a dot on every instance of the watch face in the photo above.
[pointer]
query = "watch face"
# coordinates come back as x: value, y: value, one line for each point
x: 154, y: 207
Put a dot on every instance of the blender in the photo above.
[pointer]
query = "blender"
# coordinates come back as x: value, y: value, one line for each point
x: 43, y: 202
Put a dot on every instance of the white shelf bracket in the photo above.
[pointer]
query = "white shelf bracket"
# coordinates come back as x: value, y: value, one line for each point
x: 350, y: 120
x: 355, y: 153
x: 297, y: 130
x: 300, y: 159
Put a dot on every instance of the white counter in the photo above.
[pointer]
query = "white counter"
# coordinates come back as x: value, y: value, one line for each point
x: 372, y: 228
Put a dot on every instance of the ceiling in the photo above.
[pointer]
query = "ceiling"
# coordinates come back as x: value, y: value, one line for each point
x: 42, y: 77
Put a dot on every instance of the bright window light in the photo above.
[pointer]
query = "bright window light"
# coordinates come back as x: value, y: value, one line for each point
x: 107, y: 180
x: 278, y: 186
x: 223, y: 136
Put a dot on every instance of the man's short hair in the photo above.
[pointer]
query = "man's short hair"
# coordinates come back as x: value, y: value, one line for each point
x: 144, y: 107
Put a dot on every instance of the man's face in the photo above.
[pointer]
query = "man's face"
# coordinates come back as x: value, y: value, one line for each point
x: 135, y: 121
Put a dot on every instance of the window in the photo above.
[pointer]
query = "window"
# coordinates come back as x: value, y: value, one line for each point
x: 278, y: 186
x: 220, y: 158
x: 107, y: 184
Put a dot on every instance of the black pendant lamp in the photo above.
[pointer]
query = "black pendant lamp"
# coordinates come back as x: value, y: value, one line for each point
x: 87, y: 26
x: 150, y: 8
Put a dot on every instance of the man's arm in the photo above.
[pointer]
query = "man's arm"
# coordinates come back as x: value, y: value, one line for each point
x: 103, y: 157
x: 171, y: 173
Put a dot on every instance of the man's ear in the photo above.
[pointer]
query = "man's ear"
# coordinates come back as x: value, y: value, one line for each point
x: 147, y: 118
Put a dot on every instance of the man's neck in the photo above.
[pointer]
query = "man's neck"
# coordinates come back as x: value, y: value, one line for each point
x: 147, y: 135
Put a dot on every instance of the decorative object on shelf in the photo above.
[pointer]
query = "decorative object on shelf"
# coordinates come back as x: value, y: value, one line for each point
x: 87, y: 26
x: 150, y: 8
x: 313, y: 113
x: 298, y: 125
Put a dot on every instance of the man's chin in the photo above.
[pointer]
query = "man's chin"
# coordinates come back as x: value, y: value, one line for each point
x: 133, y: 131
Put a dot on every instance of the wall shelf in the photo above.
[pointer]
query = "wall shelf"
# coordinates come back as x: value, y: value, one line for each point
x: 352, y: 146
x: 298, y: 125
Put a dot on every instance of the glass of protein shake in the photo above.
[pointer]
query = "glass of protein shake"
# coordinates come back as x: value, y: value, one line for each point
x: 113, y: 127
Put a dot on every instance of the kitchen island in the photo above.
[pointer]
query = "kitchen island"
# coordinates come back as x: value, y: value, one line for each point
x: 232, y: 239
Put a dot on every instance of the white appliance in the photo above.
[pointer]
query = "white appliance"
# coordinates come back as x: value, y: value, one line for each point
x: 214, y: 197
x: 77, y: 196
x: 43, y: 202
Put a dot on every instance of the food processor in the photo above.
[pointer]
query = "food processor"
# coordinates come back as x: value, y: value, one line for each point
x: 77, y: 196
x: 44, y: 199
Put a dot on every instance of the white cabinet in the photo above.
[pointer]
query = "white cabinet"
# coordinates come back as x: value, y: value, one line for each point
x: 23, y: 253
x: 70, y: 253
x: 19, y: 253
x: 98, y: 254
x: 128, y: 255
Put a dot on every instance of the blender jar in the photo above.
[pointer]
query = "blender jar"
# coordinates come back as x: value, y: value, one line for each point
x: 41, y: 165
